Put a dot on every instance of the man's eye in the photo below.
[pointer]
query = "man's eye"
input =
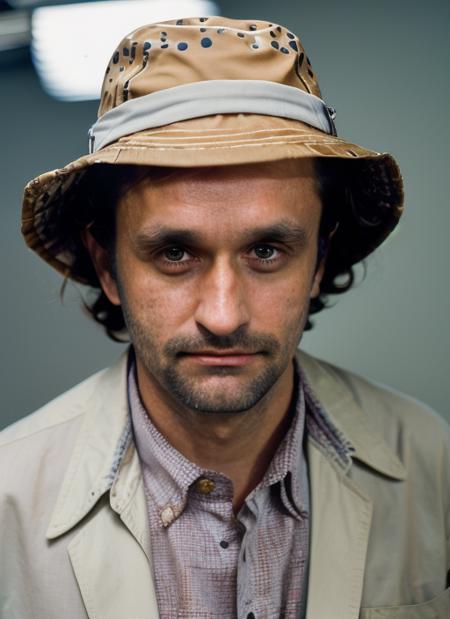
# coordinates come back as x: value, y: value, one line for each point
x: 265, y: 252
x: 174, y: 254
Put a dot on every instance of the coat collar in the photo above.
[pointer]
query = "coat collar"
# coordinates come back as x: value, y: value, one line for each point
x: 103, y: 446
x: 104, y: 456
x: 346, y: 414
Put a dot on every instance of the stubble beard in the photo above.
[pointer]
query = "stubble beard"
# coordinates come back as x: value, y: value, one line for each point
x: 194, y: 397
x: 163, y: 366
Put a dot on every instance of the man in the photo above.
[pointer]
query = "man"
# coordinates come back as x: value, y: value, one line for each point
x: 215, y: 471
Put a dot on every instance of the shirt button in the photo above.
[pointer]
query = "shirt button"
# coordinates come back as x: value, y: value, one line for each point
x: 224, y: 544
x: 251, y: 616
x: 204, y: 486
x: 167, y: 516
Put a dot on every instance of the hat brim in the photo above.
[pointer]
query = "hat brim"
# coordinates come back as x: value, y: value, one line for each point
x: 220, y: 140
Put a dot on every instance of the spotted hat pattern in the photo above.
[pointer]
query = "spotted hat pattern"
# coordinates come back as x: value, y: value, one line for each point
x: 160, y: 56
x: 156, y: 61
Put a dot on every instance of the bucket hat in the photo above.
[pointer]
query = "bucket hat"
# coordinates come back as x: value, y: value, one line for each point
x: 212, y: 91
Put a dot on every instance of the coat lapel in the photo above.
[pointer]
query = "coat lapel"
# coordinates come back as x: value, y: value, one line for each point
x: 101, y: 505
x: 111, y: 568
x: 341, y: 513
x: 110, y: 556
x: 340, y: 525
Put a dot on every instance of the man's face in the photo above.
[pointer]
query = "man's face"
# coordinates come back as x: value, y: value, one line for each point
x: 215, y: 270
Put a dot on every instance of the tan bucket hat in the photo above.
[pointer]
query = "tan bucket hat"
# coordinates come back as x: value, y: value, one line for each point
x: 212, y: 91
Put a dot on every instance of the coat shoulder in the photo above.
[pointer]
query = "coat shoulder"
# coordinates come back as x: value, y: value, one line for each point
x: 35, y: 451
x: 58, y: 411
x: 390, y: 413
x: 66, y: 407
x: 372, y: 397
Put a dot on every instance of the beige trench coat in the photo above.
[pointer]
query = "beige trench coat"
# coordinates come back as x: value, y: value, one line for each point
x: 74, y: 541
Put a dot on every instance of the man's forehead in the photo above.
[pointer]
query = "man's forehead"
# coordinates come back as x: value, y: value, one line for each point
x: 223, y: 184
x: 232, y: 198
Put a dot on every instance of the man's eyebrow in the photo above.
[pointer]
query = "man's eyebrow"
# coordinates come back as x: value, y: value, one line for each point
x: 163, y: 235
x: 283, y: 231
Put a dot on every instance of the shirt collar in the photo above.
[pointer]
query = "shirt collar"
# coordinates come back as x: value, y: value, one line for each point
x: 288, y: 466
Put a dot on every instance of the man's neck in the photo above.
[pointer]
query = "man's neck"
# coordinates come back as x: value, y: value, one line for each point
x: 238, y: 445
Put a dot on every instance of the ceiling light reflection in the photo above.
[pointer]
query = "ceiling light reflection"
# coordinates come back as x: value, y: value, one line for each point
x: 72, y: 44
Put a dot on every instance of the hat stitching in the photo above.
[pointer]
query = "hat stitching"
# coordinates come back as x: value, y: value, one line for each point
x: 256, y: 141
x: 130, y: 146
x: 187, y: 139
x: 307, y: 139
x: 234, y: 131
x: 216, y: 138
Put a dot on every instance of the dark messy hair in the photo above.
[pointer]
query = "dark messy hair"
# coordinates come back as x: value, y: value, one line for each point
x: 103, y: 185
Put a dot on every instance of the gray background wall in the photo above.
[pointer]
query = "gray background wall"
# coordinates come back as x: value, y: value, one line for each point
x: 385, y: 66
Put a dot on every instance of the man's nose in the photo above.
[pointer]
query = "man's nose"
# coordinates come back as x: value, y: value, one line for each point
x: 222, y: 307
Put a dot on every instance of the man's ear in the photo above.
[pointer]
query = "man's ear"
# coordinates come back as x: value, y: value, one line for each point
x: 102, y: 264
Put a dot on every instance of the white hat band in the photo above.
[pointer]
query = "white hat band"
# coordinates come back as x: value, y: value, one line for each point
x: 207, y: 98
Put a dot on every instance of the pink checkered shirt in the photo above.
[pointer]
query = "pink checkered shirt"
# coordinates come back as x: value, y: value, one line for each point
x: 208, y: 562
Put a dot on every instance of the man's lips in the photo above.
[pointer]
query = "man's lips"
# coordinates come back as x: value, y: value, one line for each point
x: 227, y: 358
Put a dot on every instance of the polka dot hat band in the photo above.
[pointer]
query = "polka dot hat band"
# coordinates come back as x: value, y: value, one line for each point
x: 204, y: 92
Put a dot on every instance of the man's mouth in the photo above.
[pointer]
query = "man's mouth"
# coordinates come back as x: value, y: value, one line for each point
x: 231, y: 358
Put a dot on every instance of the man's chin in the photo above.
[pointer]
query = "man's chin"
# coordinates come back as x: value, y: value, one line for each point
x: 217, y: 404
x: 220, y: 391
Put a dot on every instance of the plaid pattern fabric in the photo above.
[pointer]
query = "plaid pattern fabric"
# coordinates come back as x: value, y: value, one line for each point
x: 208, y: 562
